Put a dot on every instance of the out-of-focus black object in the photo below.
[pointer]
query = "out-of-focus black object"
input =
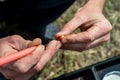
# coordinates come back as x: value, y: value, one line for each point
x: 94, y: 72
x: 2, y: 34
x: 2, y: 77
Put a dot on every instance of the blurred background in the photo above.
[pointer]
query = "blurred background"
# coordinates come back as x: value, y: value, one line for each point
x: 66, y: 61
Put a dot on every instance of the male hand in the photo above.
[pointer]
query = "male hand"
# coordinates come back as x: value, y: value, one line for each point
x: 95, y: 28
x: 26, y: 67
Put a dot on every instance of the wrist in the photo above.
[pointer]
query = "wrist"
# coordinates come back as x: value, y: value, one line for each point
x: 96, y: 4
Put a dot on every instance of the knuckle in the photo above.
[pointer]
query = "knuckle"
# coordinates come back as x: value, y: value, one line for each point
x: 23, y: 68
x: 89, y: 38
x: 107, y: 26
x: 15, y: 37
x: 50, y: 54
x: 37, y: 68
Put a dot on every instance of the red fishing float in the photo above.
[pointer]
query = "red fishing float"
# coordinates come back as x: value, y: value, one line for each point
x: 60, y: 37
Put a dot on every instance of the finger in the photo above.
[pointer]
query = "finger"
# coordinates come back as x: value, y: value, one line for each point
x: 51, y: 48
x: 72, y: 25
x: 96, y: 31
x: 84, y: 46
x: 19, y: 43
x: 27, y: 75
x: 35, y: 42
x: 28, y: 43
x: 26, y: 63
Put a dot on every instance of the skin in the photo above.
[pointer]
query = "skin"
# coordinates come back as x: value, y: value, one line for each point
x: 95, y: 28
x: 26, y: 67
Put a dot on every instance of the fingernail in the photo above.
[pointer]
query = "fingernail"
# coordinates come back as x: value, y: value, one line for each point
x: 40, y: 47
